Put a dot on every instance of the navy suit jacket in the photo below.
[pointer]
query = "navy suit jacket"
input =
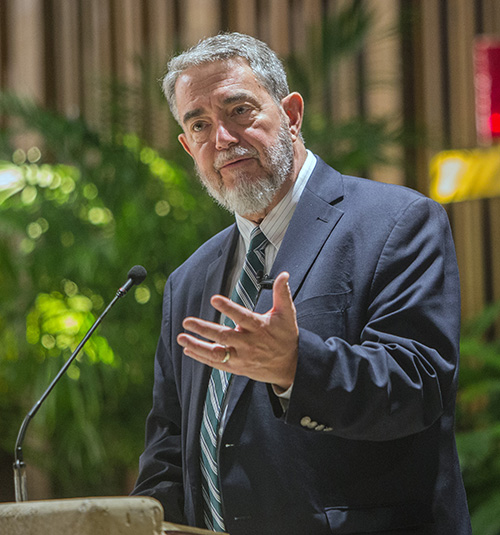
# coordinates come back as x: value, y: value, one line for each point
x: 367, y: 442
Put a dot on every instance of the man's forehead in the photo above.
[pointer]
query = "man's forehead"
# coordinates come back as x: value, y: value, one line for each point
x: 217, y: 65
x: 211, y: 74
x: 227, y: 82
x: 240, y: 96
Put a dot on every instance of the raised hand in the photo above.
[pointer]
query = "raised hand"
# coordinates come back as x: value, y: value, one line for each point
x: 262, y: 347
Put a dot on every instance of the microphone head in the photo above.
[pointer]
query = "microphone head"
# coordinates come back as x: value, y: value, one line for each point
x: 137, y: 274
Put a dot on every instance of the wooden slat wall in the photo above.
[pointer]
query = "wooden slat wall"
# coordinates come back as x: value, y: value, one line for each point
x: 383, y: 65
x: 467, y: 217
x: 64, y: 52
x: 24, y: 57
x: 445, y: 32
x: 490, y: 24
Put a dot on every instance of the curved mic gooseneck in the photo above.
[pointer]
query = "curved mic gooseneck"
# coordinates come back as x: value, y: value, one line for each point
x: 135, y: 276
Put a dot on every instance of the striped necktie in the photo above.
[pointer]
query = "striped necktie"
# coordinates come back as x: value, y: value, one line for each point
x: 245, y: 293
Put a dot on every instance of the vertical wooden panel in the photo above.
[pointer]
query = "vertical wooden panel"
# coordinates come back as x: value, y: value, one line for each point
x: 161, y: 30
x: 383, y: 71
x: 200, y: 18
x: 468, y: 232
x: 128, y: 38
x: 66, y: 52
x: 345, y: 85
x: 275, y: 26
x: 96, y: 60
x: 305, y: 15
x: 494, y: 205
x: 491, y: 17
x: 3, y: 43
x: 429, y: 112
x: 161, y: 38
x: 461, y: 39
x: 243, y: 16
x: 312, y: 12
x: 24, y: 73
x: 467, y: 217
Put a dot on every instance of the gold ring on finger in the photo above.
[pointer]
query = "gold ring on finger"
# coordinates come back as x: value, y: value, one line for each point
x: 227, y: 355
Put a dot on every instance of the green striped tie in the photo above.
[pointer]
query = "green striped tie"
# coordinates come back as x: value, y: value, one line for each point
x: 245, y: 293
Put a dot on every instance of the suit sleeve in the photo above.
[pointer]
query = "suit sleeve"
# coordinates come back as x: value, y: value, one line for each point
x: 397, y: 378
x: 160, y: 465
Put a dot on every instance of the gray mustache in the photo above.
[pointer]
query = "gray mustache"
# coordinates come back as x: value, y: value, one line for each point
x: 232, y: 153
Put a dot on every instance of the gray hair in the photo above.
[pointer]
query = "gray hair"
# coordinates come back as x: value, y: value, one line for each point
x: 264, y: 63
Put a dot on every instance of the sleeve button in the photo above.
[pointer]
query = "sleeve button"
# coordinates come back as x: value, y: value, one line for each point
x: 305, y: 421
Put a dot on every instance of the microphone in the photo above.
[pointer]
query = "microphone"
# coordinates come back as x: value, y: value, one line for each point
x: 135, y: 276
x: 264, y: 282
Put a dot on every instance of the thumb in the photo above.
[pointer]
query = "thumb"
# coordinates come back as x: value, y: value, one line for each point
x: 282, y: 297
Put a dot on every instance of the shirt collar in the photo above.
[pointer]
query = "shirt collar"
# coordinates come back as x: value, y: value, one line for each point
x: 276, y: 222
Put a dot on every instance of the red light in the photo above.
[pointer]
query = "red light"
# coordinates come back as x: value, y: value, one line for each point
x: 495, y: 123
x: 487, y: 86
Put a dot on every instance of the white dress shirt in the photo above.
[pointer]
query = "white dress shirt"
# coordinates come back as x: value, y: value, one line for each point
x: 274, y: 225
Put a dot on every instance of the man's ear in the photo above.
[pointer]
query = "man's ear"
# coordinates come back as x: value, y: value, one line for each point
x: 184, y: 142
x: 293, y: 105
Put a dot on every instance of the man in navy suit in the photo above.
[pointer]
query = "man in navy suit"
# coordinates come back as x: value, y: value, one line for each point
x: 339, y: 413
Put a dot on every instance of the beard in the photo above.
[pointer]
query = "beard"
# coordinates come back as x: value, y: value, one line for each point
x: 249, y: 195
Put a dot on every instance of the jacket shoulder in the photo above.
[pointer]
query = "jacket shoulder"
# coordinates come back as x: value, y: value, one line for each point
x: 207, y: 252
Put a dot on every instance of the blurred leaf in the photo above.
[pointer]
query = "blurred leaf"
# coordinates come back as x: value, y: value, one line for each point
x: 486, y: 517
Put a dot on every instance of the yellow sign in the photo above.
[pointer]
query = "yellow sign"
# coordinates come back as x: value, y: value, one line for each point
x: 460, y: 175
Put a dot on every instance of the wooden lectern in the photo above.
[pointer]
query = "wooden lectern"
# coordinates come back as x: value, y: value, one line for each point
x: 90, y: 516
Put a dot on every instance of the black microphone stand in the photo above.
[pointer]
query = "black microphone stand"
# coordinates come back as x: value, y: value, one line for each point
x: 21, y: 491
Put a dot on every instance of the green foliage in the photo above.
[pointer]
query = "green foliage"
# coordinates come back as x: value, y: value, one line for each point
x: 77, y: 210
x: 478, y: 420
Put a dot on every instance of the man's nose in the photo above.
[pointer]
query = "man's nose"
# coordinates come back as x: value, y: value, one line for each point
x: 224, y: 136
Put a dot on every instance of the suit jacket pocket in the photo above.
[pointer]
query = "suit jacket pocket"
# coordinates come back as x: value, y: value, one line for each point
x: 379, y: 519
x: 324, y: 314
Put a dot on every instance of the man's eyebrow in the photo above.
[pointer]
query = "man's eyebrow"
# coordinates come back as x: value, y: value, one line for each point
x: 237, y: 97
x: 191, y: 114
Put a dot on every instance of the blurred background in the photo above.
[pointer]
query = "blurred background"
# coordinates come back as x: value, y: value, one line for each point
x: 93, y: 181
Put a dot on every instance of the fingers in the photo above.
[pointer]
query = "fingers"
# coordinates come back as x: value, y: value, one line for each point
x: 206, y: 352
x: 207, y: 329
x: 216, y: 346
x: 244, y: 318
x: 241, y: 316
x: 261, y: 346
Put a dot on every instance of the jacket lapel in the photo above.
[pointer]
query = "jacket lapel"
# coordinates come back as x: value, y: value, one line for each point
x: 312, y: 223
x: 314, y: 219
x: 215, y: 278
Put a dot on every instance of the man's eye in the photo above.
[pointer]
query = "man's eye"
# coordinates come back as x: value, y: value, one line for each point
x: 197, y: 127
x: 240, y: 110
